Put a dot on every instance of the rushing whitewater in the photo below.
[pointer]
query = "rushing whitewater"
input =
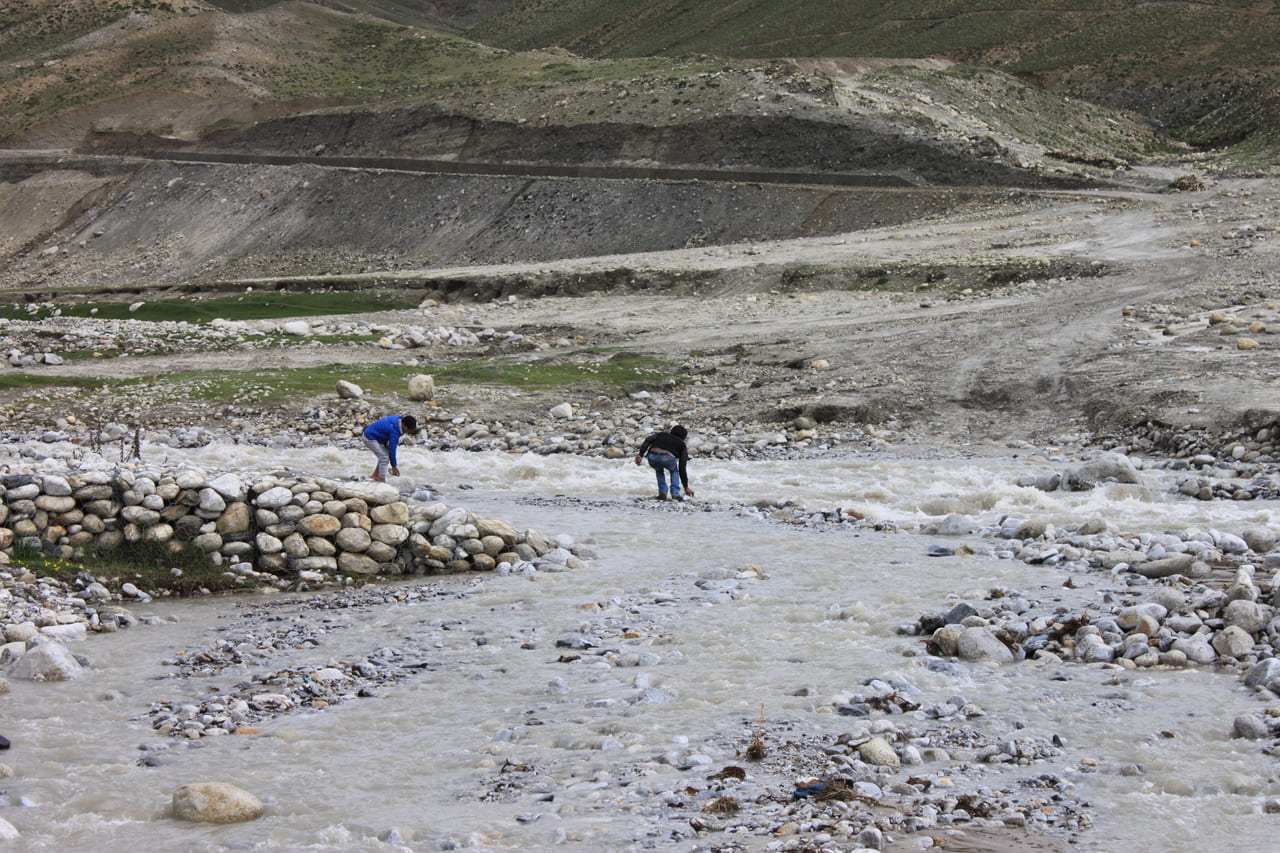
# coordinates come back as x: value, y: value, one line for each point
x: 433, y: 762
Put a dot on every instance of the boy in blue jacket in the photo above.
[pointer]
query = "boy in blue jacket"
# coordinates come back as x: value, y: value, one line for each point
x: 382, y: 437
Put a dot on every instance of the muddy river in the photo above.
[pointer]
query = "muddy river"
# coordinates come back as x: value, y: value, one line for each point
x: 417, y: 766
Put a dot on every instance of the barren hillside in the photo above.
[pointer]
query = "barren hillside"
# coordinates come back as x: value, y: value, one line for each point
x: 1206, y: 71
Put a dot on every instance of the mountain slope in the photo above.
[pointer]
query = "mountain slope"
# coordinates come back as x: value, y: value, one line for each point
x: 178, y: 67
x: 452, y: 15
x: 1208, y: 70
x: 1152, y: 38
x: 296, y: 78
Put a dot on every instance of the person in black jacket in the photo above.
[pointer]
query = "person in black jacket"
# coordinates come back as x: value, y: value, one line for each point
x: 668, y: 454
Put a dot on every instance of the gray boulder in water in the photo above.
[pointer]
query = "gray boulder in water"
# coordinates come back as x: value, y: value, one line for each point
x: 981, y: 644
x: 215, y: 802
x: 47, y: 661
x: 1110, y: 467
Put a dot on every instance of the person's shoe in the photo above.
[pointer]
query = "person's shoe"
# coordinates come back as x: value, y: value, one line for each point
x: 677, y: 497
x: 664, y: 497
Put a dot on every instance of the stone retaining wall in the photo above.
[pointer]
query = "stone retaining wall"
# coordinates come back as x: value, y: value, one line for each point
x: 282, y: 524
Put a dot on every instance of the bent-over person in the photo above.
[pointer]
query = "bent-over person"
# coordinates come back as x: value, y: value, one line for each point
x: 668, y: 455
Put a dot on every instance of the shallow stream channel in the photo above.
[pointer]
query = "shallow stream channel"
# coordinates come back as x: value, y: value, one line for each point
x: 708, y: 652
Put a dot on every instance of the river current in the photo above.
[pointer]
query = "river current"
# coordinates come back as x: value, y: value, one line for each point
x: 413, y: 768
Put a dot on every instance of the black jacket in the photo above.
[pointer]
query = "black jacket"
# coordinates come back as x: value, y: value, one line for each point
x: 665, y: 441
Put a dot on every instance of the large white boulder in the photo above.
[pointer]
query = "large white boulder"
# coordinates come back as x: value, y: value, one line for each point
x: 422, y: 386
x: 49, y: 660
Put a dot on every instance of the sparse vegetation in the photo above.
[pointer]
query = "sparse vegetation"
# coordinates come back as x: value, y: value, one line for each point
x: 1025, y: 112
x: 21, y: 381
x: 304, y: 53
x: 269, y: 387
x: 1117, y: 53
x: 175, y: 566
x: 258, y: 305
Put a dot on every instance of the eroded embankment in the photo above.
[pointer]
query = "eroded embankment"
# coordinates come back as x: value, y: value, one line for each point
x: 143, y: 222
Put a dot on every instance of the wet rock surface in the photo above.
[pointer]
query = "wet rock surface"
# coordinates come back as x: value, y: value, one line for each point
x: 254, y: 643
x: 909, y: 763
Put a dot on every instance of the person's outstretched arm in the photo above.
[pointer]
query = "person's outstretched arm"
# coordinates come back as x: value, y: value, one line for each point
x: 392, y: 444
x: 684, y: 471
x: 644, y: 448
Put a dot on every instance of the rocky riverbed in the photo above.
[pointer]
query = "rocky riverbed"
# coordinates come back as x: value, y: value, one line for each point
x: 911, y: 765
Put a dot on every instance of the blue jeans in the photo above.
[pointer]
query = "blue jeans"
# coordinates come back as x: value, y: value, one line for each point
x: 662, y: 464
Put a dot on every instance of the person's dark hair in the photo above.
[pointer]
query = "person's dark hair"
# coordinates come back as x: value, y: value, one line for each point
x: 409, y: 424
x: 679, y: 432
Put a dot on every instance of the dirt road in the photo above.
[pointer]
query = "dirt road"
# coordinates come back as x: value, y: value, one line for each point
x: 1131, y: 339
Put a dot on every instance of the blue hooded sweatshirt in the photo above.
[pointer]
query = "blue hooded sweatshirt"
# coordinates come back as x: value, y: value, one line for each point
x: 386, y: 431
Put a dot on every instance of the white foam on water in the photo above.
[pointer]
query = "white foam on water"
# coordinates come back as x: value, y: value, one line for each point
x: 818, y: 623
x: 878, y: 486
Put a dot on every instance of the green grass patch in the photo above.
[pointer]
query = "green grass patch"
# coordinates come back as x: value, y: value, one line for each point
x: 176, y: 566
x: 41, y: 564
x: 278, y: 386
x: 89, y: 355
x: 25, y: 381
x: 620, y: 370
x: 265, y: 305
